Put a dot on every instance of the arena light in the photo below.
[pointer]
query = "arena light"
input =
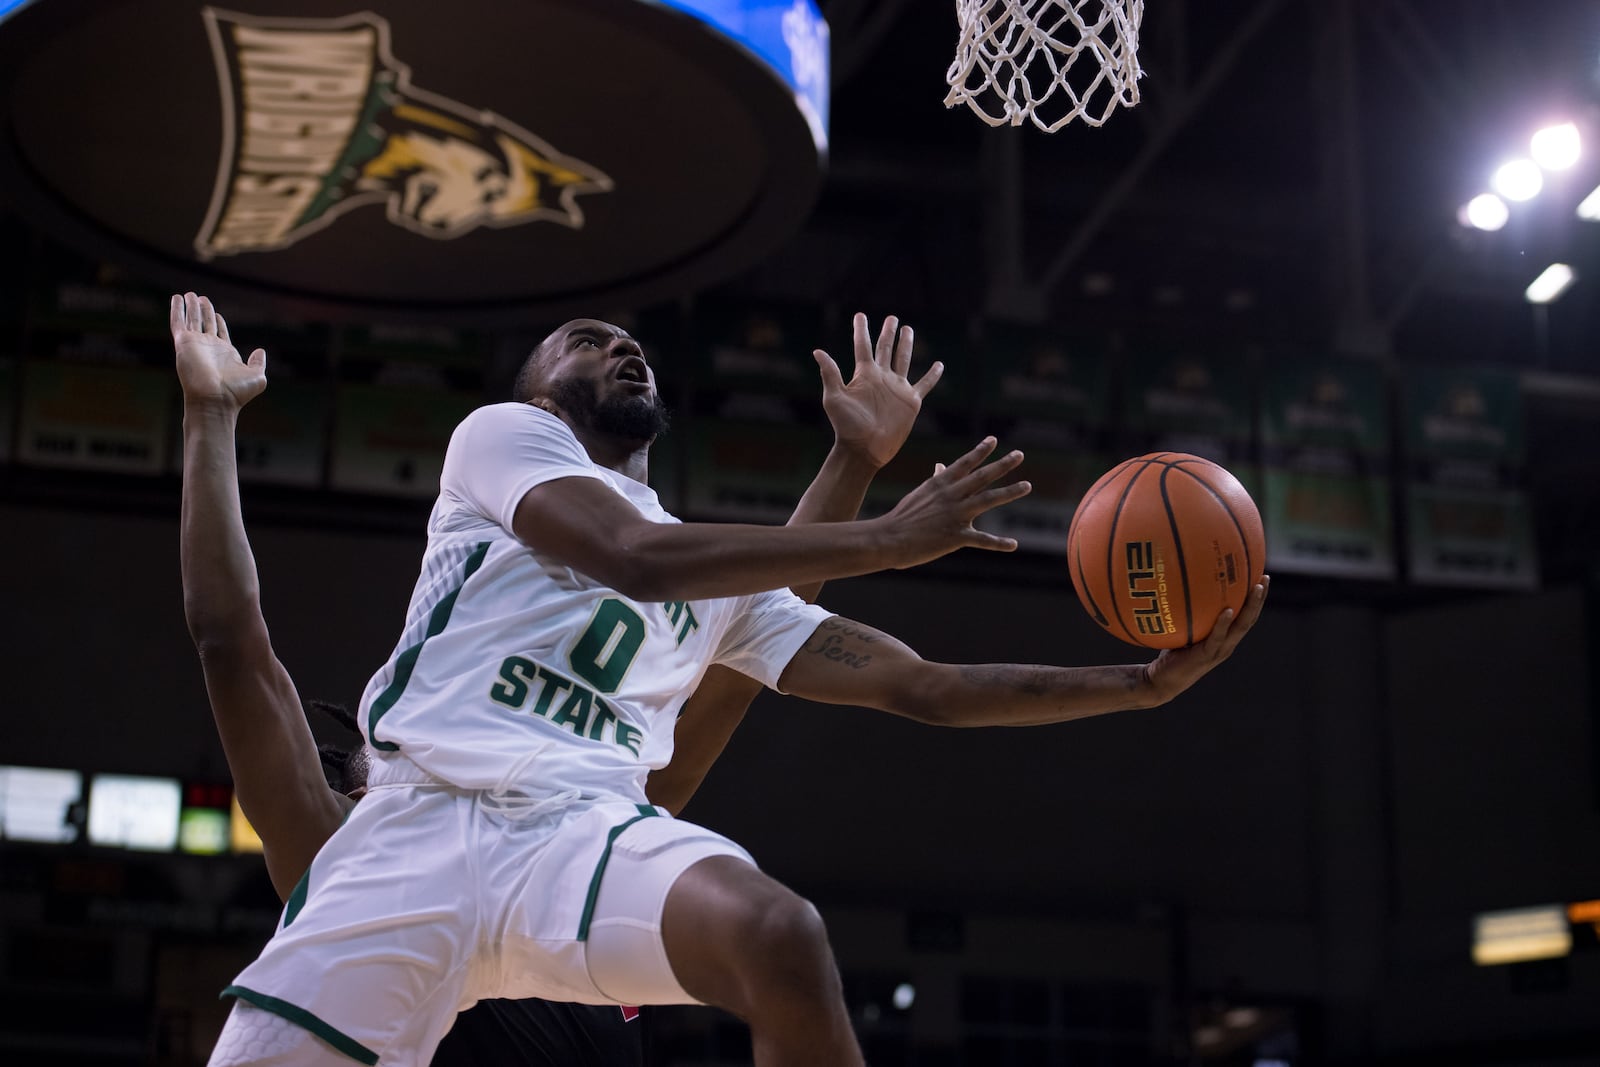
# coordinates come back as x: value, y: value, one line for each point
x: 1589, y: 208
x: 1484, y: 212
x: 1550, y: 284
x: 1519, y: 935
x: 1518, y: 179
x: 1556, y: 147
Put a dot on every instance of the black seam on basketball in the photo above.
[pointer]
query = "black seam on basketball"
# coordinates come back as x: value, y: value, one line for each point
x: 1183, y: 564
x: 1244, y: 541
x: 1077, y: 548
x: 1111, y: 548
x: 1094, y: 492
x: 1083, y: 586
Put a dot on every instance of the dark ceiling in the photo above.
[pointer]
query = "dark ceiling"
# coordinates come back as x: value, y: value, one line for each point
x: 1291, y: 176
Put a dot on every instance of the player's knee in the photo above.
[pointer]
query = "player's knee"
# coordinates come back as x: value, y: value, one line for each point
x: 788, y: 949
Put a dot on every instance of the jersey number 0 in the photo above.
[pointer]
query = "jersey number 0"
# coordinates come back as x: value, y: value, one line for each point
x: 606, y: 650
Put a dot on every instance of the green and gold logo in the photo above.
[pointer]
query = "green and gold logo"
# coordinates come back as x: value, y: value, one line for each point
x: 319, y: 118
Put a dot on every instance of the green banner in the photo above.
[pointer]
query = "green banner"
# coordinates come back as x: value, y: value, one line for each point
x: 8, y: 406
x: 282, y: 435
x: 760, y: 350
x: 104, y: 418
x: 749, y: 471
x: 393, y: 440
x: 1470, y: 537
x: 1325, y: 487
x: 1325, y: 403
x: 436, y: 345
x: 1328, y: 522
x: 126, y: 311
x: 1468, y: 522
x: 1463, y: 414
x: 1040, y: 378
x: 1170, y: 400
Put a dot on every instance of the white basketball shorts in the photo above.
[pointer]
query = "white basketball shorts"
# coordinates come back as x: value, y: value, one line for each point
x: 428, y: 900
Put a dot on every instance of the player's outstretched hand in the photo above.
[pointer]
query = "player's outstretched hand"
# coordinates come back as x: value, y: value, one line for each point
x: 935, y: 518
x: 1176, y: 669
x: 873, y: 413
x: 209, y: 367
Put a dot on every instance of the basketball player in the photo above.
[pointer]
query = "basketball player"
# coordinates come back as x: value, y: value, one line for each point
x: 271, y: 750
x: 505, y: 846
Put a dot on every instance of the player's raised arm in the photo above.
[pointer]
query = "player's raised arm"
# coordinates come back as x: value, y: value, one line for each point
x: 276, y: 770
x: 586, y: 526
x: 871, y: 416
x: 848, y: 662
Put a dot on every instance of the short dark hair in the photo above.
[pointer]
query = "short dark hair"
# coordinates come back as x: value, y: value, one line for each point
x: 528, y: 385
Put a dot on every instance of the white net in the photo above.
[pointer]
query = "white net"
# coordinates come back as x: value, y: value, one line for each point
x: 1046, y: 61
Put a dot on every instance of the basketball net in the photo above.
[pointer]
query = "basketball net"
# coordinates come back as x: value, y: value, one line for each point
x: 1046, y: 61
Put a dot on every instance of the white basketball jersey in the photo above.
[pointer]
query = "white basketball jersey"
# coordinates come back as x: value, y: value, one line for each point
x: 516, y: 671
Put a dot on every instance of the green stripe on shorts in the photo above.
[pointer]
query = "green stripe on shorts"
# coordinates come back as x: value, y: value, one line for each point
x: 306, y: 1021
x: 645, y: 812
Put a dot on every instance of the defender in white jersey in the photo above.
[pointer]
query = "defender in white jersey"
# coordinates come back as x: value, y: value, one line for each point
x: 505, y: 849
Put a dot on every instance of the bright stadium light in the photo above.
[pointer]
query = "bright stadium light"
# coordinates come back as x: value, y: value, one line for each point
x: 1590, y: 206
x: 1518, y: 180
x: 1484, y: 212
x: 1550, y: 284
x: 1556, y: 147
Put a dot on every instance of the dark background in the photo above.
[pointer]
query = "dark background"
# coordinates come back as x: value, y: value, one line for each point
x: 1308, y: 834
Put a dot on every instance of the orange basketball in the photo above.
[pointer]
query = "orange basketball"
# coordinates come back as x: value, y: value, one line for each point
x: 1161, y: 544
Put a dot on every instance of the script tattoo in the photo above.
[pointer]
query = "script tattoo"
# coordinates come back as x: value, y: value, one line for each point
x: 829, y: 643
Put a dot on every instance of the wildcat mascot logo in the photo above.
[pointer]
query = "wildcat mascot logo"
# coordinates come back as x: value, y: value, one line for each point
x: 319, y: 118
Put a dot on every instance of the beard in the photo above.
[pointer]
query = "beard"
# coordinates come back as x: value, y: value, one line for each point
x: 639, y: 418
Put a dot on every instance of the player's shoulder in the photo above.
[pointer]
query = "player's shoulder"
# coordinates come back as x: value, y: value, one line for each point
x: 510, y: 414
x: 490, y: 426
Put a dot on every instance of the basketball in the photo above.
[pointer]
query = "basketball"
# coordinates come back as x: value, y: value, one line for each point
x: 1161, y: 544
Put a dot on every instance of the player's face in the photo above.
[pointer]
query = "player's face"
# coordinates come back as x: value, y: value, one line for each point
x: 604, y: 354
x: 597, y: 373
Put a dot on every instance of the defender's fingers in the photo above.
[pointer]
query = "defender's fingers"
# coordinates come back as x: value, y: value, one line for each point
x: 258, y: 359
x: 222, y: 328
x: 928, y: 381
x: 968, y: 461
x: 191, y: 311
x: 208, y: 318
x: 858, y: 328
x: 883, y: 356
x: 175, y: 314
x: 901, y: 364
x: 938, y: 468
x: 832, y: 380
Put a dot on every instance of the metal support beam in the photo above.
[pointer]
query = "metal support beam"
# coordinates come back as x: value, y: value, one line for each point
x: 1112, y: 199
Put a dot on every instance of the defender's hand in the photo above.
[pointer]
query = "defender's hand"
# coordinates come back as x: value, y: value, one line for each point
x: 935, y: 518
x: 873, y: 413
x: 209, y: 367
x: 1176, y: 669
